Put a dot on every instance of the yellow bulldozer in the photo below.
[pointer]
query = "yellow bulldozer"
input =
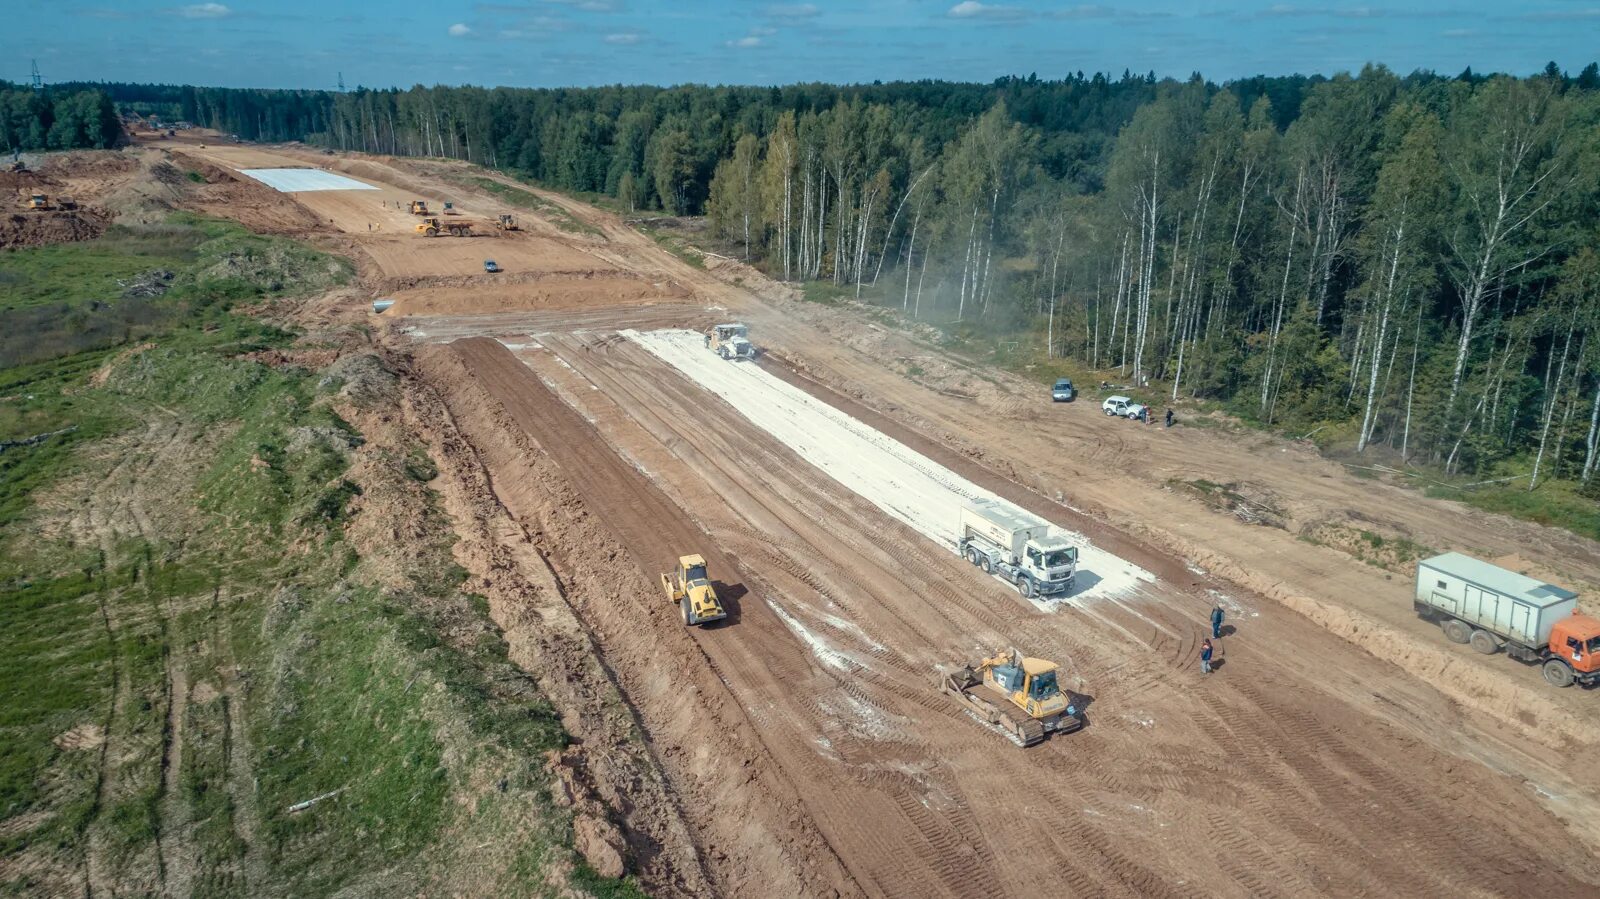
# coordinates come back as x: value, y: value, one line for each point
x: 432, y: 227
x: 507, y: 223
x: 418, y: 207
x: 690, y: 588
x: 1016, y: 693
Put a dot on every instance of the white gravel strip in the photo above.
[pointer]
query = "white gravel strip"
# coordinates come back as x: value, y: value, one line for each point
x: 897, y: 479
x: 292, y: 181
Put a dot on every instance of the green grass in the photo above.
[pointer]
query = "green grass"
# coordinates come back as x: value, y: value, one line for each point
x: 75, y: 273
x: 1554, y: 503
x: 56, y: 619
x: 307, y: 671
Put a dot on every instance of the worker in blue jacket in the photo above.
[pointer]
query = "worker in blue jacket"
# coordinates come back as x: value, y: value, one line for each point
x: 1205, y: 657
x: 1216, y: 621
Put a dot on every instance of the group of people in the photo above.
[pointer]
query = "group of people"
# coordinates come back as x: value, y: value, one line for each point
x: 1206, y: 649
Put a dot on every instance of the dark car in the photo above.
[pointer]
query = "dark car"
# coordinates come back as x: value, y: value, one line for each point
x: 490, y: 266
x: 1063, y: 392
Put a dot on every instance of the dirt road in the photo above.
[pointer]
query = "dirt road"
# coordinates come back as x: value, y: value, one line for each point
x: 807, y: 749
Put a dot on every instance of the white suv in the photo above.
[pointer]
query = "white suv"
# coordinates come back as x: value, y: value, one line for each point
x: 1122, y: 407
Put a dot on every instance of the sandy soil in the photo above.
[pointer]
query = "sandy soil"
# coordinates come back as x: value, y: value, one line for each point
x: 1341, y: 748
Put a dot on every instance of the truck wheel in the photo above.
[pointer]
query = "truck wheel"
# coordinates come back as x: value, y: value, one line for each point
x: 1484, y: 642
x: 1456, y: 630
x: 1557, y: 674
x: 988, y: 565
x: 683, y: 607
x: 1025, y: 587
x: 972, y: 556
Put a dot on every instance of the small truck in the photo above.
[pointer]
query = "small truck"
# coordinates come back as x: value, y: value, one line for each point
x: 1491, y: 608
x: 1017, y: 546
x: 1063, y: 391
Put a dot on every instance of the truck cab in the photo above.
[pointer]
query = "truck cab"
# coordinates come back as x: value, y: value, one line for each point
x: 1575, y: 647
x: 1050, y: 561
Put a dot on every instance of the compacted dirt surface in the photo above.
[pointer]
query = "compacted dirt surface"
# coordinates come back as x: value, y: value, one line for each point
x: 801, y: 748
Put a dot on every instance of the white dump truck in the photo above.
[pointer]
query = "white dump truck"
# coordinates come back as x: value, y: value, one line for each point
x: 1007, y: 541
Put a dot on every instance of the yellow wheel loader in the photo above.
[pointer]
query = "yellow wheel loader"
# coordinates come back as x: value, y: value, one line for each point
x: 418, y: 207
x: 507, y: 223
x: 1016, y: 693
x: 690, y: 588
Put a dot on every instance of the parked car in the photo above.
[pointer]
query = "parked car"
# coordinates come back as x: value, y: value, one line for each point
x: 490, y: 266
x: 1123, y: 407
x: 1063, y: 392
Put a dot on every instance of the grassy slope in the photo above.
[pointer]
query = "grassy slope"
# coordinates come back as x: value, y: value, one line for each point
x: 238, y: 656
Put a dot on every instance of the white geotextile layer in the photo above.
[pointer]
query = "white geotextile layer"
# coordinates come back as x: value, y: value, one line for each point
x: 892, y: 476
x: 292, y: 181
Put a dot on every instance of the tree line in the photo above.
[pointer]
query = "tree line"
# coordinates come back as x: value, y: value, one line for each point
x: 1414, y: 258
x: 56, y: 119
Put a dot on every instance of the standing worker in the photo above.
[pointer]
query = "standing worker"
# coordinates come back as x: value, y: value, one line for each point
x: 1205, y: 657
x: 1216, y: 621
x: 1169, y: 418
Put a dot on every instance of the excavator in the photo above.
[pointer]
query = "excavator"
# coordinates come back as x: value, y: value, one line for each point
x: 690, y: 587
x: 1016, y: 693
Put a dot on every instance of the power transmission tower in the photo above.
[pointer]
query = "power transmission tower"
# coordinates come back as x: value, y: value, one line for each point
x: 38, y: 80
x: 341, y: 82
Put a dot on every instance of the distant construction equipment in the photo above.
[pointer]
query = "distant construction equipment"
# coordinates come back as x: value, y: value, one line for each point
x: 507, y: 223
x: 43, y: 203
x: 418, y: 207
x: 690, y: 588
x: 1017, y: 693
x: 432, y: 227
x: 731, y: 341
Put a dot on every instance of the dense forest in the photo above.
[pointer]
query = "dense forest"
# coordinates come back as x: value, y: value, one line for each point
x: 1415, y: 259
x: 56, y: 119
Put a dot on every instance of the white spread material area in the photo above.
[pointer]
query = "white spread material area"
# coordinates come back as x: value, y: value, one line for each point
x: 292, y: 181
x: 897, y: 479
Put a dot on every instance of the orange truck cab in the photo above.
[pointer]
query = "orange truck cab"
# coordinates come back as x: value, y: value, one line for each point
x: 1575, y: 644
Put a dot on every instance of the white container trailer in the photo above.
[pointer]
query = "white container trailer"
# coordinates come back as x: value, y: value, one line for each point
x: 1513, y: 606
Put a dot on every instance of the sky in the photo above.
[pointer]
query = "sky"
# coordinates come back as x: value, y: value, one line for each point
x: 552, y: 43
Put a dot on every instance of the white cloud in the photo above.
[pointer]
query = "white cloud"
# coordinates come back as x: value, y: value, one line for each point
x: 972, y: 9
x: 793, y: 11
x: 625, y: 38
x: 459, y: 30
x: 205, y: 11
x: 754, y: 39
x: 590, y: 5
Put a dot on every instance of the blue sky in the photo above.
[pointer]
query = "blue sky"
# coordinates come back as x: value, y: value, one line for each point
x: 307, y: 43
